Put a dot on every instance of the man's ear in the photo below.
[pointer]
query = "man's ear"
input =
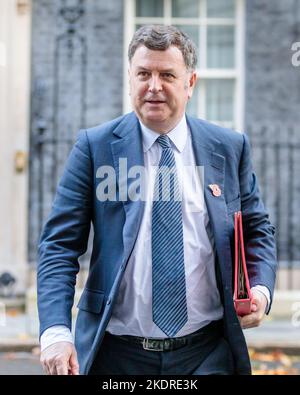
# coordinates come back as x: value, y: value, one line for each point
x: 191, y: 83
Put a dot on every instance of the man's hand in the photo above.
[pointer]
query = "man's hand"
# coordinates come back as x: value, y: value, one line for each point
x: 60, y: 359
x: 258, y: 308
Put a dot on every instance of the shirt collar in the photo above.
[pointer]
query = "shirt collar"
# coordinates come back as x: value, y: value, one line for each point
x: 178, y: 135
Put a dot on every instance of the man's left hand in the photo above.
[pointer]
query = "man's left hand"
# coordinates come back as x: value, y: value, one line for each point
x: 258, y: 309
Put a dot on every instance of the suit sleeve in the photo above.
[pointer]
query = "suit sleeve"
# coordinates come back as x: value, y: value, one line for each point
x: 64, y: 238
x: 260, y: 246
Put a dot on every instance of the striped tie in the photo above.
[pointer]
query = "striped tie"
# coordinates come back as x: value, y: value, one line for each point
x: 169, y: 306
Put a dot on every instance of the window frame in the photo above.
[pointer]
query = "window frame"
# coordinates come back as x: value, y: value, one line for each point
x: 203, y: 73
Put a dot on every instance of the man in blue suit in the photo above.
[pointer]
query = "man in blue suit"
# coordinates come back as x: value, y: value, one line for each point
x: 159, y: 293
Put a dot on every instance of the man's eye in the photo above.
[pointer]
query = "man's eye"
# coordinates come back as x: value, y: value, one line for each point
x: 168, y: 76
x: 143, y: 74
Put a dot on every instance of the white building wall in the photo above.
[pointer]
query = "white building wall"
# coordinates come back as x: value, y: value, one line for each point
x: 15, y: 43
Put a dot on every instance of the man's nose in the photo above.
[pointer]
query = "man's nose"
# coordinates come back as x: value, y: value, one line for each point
x: 155, y: 84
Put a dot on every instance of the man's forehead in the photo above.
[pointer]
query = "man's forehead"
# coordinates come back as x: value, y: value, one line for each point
x: 144, y: 57
x: 167, y: 68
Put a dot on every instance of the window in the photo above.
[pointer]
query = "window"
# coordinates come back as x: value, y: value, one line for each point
x: 216, y: 27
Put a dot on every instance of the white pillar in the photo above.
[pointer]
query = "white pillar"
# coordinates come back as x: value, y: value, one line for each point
x: 15, y: 48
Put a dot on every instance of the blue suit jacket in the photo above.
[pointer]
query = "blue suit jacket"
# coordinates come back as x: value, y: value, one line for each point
x: 226, y: 157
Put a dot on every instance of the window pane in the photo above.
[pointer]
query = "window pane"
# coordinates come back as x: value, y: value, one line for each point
x: 220, y: 8
x: 192, y: 32
x: 185, y: 8
x: 220, y: 47
x: 149, y: 8
x: 192, y: 106
x: 219, y: 100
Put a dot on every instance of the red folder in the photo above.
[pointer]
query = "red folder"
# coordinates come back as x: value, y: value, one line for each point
x: 242, y: 293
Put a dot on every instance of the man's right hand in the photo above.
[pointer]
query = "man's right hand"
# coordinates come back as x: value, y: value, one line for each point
x: 60, y: 359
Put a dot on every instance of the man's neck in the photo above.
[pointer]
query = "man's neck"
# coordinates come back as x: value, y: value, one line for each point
x: 161, y: 128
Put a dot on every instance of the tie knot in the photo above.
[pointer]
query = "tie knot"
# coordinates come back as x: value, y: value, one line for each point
x: 164, y: 141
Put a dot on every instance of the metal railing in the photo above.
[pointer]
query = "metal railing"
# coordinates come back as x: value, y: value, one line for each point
x: 276, y: 161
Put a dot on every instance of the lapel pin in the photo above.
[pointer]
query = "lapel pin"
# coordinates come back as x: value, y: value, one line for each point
x: 216, y: 190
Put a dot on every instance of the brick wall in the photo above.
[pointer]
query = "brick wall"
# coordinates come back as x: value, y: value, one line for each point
x: 77, y: 82
x: 272, y: 83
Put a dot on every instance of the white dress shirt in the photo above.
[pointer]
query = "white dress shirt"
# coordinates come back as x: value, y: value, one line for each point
x: 132, y: 312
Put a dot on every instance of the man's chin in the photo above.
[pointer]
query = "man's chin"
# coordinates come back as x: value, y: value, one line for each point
x: 154, y: 122
x: 155, y: 116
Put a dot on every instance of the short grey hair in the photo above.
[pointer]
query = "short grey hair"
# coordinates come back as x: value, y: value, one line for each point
x: 160, y: 38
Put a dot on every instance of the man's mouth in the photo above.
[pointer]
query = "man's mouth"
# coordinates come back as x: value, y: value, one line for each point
x: 155, y: 101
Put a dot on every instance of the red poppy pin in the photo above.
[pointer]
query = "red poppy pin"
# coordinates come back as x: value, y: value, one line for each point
x: 216, y: 190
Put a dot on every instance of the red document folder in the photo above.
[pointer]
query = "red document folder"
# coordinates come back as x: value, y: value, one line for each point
x: 242, y: 293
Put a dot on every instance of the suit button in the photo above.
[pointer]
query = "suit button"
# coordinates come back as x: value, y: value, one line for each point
x: 108, y: 302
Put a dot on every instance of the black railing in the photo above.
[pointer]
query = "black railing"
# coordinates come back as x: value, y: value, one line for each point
x: 58, y: 111
x: 276, y: 160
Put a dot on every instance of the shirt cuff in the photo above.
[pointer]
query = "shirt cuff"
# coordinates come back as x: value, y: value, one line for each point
x: 264, y: 290
x: 55, y: 334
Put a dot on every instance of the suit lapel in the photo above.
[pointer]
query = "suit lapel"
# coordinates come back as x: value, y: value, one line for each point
x: 128, y: 148
x: 205, y: 147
